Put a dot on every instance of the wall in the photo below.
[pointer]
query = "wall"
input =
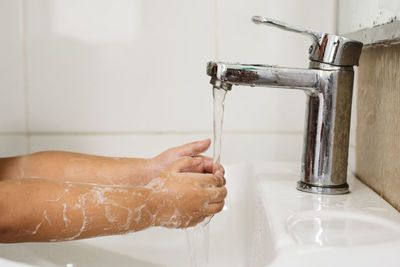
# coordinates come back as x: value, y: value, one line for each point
x: 12, y: 92
x: 378, y: 121
x: 127, y: 77
x: 376, y: 125
x: 354, y: 15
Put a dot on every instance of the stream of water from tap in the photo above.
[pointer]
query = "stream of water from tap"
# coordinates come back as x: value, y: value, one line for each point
x: 198, y: 237
x: 219, y: 99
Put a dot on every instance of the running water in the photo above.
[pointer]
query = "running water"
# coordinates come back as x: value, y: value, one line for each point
x: 219, y: 98
x: 198, y: 237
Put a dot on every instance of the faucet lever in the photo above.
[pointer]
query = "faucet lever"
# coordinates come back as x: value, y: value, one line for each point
x: 326, y: 48
x: 315, y: 35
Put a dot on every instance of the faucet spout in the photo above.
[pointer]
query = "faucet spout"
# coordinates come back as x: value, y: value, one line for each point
x: 263, y: 75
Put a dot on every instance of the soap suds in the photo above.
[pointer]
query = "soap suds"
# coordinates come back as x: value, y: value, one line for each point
x: 67, y: 221
x: 44, y: 219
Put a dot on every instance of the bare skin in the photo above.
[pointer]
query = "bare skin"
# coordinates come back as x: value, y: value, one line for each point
x: 59, y: 196
x: 75, y: 167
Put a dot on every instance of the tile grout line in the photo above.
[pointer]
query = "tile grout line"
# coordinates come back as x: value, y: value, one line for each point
x: 150, y: 133
x: 336, y: 12
x: 216, y: 2
x: 22, y: 19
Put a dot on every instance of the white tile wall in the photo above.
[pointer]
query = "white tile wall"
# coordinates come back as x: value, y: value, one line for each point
x: 12, y: 99
x: 148, y: 77
x: 12, y: 145
x: 127, y: 77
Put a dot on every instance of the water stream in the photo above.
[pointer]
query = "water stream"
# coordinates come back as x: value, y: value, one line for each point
x: 219, y: 99
x: 198, y: 237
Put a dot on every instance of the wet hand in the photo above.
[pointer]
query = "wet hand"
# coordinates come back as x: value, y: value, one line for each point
x: 183, y: 195
x: 166, y: 158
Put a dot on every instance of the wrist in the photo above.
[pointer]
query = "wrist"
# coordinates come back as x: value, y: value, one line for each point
x: 145, y: 213
x: 139, y: 171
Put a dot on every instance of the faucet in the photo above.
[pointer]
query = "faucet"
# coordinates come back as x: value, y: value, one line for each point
x: 328, y: 85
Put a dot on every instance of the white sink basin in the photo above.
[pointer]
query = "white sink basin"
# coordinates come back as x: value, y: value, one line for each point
x: 266, y: 222
x: 340, y: 229
x: 356, y: 229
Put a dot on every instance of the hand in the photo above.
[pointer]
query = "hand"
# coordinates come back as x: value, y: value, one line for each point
x: 166, y: 158
x: 183, y: 195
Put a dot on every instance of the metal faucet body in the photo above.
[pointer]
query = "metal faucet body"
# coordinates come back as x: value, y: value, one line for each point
x: 328, y: 85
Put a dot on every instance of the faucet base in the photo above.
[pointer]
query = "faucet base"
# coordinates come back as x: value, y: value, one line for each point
x: 332, y: 190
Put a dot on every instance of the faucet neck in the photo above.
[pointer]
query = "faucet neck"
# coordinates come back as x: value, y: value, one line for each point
x: 328, y: 67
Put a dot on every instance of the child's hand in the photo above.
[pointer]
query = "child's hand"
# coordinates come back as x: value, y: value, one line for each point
x: 181, y: 197
x: 166, y: 158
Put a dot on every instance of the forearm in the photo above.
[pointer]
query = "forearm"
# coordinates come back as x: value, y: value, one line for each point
x: 35, y: 210
x: 75, y: 167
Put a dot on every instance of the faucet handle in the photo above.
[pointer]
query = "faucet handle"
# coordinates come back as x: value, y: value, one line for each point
x: 326, y: 48
x: 315, y: 35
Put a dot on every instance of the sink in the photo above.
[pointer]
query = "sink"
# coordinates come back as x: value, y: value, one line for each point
x: 356, y: 229
x: 266, y: 222
x: 340, y: 229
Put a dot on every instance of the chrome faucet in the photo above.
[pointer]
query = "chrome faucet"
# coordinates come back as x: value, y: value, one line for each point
x: 328, y: 85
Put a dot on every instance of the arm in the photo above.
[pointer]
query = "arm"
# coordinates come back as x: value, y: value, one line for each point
x: 49, y: 210
x: 75, y: 167
x: 45, y: 210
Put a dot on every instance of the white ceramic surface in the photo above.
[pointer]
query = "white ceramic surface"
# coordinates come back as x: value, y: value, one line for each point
x: 266, y: 222
x: 356, y: 229
x: 12, y: 95
x: 13, y: 145
x: 90, y: 63
x: 119, y: 65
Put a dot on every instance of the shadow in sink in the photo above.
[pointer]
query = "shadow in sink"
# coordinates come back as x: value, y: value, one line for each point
x: 335, y: 228
x: 67, y: 254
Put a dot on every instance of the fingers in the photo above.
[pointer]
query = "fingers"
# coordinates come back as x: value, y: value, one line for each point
x: 196, y: 221
x: 185, y: 164
x: 211, y: 180
x: 214, y: 208
x: 192, y: 149
x: 216, y: 195
x: 205, y: 167
x: 199, y: 164
x: 208, y: 166
x: 218, y: 169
